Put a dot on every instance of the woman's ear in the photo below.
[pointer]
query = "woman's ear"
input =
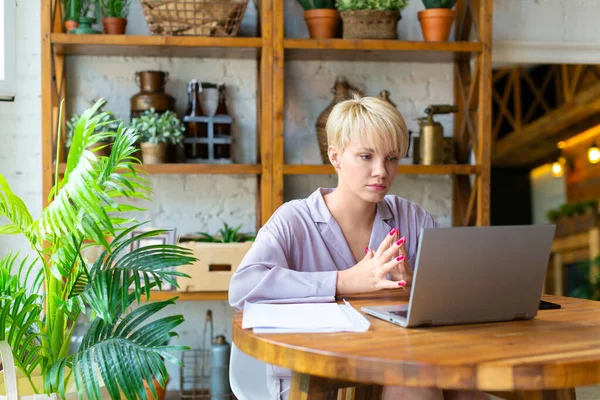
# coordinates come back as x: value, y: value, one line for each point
x: 334, y: 156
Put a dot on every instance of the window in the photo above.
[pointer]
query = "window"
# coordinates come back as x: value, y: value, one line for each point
x: 8, y: 73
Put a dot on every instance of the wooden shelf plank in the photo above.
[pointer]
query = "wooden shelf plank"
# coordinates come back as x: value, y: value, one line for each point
x: 166, y: 46
x: 379, y: 50
x: 191, y: 169
x: 445, y: 169
x: 189, y: 296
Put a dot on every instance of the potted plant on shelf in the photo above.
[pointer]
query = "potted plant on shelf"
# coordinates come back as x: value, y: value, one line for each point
x: 87, y: 17
x: 370, y: 19
x: 321, y: 18
x: 72, y: 10
x: 114, y: 15
x: 42, y: 297
x: 157, y: 132
x: 217, y: 259
x: 106, y: 123
x: 436, y: 20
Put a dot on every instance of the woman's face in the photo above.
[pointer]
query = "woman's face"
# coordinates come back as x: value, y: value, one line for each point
x: 366, y: 172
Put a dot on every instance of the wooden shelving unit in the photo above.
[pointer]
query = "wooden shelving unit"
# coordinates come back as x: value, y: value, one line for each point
x: 188, y: 169
x: 163, y: 46
x: 445, y: 169
x: 470, y: 52
x: 188, y: 296
x: 380, y: 50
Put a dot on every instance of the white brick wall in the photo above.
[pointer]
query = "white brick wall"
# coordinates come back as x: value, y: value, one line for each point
x: 192, y: 203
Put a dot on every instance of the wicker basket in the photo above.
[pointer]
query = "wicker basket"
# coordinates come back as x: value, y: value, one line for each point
x: 370, y: 24
x: 194, y: 17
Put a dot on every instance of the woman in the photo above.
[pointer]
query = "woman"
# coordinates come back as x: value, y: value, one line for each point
x: 353, y: 239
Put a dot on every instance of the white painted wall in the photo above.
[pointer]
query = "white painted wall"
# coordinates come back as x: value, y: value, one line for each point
x: 192, y: 203
x: 547, y: 193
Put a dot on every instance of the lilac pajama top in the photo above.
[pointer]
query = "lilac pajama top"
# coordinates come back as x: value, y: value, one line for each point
x: 297, y: 253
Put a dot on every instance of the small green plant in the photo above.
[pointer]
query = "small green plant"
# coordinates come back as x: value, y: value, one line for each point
x: 439, y: 3
x: 567, y: 210
x: 592, y: 205
x: 106, y: 123
x: 114, y: 8
x: 349, y: 5
x: 553, y: 215
x: 72, y: 9
x: 227, y: 234
x: 317, y: 4
x: 588, y: 290
x: 159, y: 128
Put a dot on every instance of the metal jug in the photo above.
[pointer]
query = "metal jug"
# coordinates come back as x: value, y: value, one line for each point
x: 431, y: 139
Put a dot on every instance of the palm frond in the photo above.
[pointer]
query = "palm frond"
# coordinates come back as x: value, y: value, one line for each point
x: 87, y: 192
x: 125, y: 353
x: 143, y: 268
x: 15, y: 210
x: 20, y: 318
x: 12, y: 279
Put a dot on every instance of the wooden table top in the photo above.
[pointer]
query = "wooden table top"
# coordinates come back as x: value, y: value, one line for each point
x: 557, y: 349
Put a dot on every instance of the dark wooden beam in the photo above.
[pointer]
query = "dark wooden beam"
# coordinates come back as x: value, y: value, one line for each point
x: 537, y: 153
x: 571, y: 118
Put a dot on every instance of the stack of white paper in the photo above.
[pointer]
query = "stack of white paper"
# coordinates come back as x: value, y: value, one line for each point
x: 303, y: 318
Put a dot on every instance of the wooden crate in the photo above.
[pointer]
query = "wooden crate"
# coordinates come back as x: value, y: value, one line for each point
x: 216, y: 264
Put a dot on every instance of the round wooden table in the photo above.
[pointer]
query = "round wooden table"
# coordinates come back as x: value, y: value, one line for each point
x: 544, y: 358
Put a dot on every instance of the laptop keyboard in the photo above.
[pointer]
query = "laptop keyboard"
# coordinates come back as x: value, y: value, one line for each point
x: 402, y: 314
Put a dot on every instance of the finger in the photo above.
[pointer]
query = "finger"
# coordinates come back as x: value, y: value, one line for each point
x: 385, y: 284
x: 390, y: 265
x: 387, y: 242
x: 368, y: 254
x: 396, y: 249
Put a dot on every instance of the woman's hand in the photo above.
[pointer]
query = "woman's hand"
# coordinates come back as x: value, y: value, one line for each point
x: 403, y: 271
x: 370, y: 274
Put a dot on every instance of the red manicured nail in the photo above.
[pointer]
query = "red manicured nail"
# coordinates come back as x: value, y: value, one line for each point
x: 401, y: 241
x: 392, y: 231
x: 401, y: 257
x: 402, y: 283
x: 366, y: 250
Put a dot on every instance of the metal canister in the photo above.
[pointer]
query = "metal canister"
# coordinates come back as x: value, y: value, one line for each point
x: 431, y: 142
x: 219, y: 374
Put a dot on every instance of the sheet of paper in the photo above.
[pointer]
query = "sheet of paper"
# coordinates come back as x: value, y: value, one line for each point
x: 303, y: 318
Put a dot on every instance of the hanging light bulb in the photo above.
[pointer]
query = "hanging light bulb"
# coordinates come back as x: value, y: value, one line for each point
x: 594, y: 154
x: 557, y: 169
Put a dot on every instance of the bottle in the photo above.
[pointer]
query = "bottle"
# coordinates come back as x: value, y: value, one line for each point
x: 385, y: 95
x: 195, y: 129
x: 222, y: 150
x: 219, y: 373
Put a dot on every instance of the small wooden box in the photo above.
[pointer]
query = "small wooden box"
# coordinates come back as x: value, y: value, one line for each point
x: 216, y: 264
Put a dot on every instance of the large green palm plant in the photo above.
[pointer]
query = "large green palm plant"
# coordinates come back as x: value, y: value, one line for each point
x: 125, y: 345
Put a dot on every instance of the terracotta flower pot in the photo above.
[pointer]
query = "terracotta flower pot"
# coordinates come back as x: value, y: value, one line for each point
x: 154, y: 153
x: 160, y: 392
x: 71, y: 24
x: 322, y: 23
x: 114, y: 26
x: 436, y: 24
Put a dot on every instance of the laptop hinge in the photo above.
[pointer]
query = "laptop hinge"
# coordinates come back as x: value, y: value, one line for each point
x: 426, y: 323
x: 520, y: 316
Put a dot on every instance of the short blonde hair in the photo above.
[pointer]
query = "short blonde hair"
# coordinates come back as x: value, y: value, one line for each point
x: 368, y: 120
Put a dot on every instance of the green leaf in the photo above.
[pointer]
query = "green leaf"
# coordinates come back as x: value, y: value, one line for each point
x: 15, y: 210
x: 126, y: 353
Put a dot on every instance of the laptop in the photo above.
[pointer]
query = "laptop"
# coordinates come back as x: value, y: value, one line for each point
x: 466, y: 275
